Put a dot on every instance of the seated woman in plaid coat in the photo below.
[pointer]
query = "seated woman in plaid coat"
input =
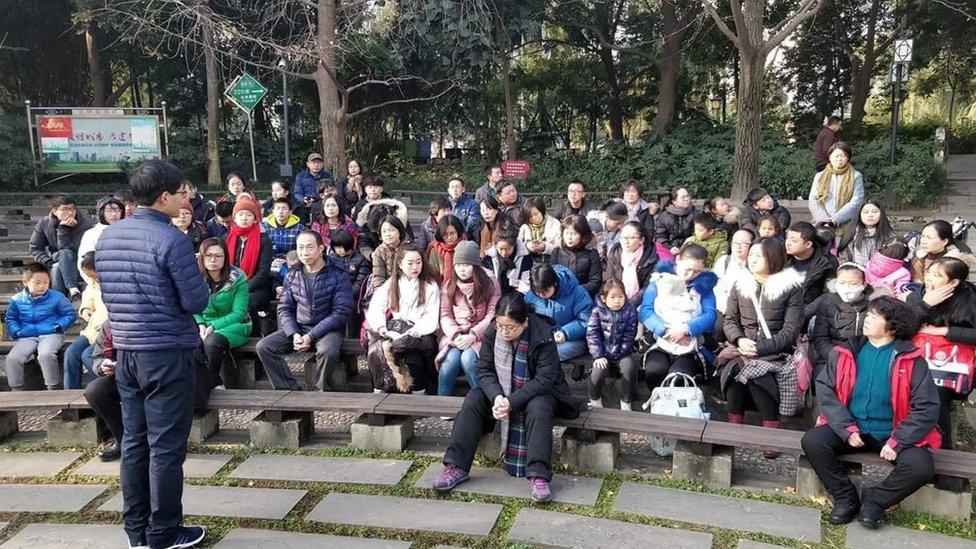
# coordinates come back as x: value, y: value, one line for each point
x: 521, y: 386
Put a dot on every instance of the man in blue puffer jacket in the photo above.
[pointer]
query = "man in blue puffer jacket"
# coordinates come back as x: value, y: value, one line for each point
x: 558, y: 295
x: 151, y: 286
x: 312, y: 313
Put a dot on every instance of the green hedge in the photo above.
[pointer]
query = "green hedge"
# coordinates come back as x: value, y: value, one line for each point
x: 700, y: 159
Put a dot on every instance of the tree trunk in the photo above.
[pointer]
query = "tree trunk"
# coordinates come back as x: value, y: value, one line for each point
x: 501, y: 43
x: 668, y: 67
x: 213, y: 118
x: 100, y: 88
x: 861, y: 79
x: 332, y: 113
x: 611, y: 87
x: 748, y: 130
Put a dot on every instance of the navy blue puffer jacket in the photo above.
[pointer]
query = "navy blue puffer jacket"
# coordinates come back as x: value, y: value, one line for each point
x: 611, y: 334
x: 150, y: 282
x: 318, y: 310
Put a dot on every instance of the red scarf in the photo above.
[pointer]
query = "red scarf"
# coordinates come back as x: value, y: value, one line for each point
x: 446, y: 253
x: 252, y: 247
x: 901, y: 389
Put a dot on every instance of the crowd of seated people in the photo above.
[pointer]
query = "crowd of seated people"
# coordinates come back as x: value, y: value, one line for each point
x: 501, y: 290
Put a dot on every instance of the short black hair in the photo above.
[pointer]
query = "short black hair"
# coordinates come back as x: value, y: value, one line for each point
x: 831, y: 120
x: 513, y: 305
x: 693, y: 251
x: 755, y: 195
x: 632, y: 184
x: 577, y: 182
x: 542, y: 277
x: 88, y: 261
x: 769, y: 219
x: 34, y: 268
x: 62, y: 200
x: 282, y: 200
x: 342, y: 239
x: 536, y: 203
x: 152, y: 178
x: 313, y: 234
x: 617, y: 211
x: 438, y: 204
x: 900, y: 321
x: 894, y: 250
x: 806, y: 231
x: 223, y: 209
x: 707, y: 222
x: 286, y: 185
x: 372, y: 180
x: 124, y: 194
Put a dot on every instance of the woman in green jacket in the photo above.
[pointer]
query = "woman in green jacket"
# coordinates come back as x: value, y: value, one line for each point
x: 225, y: 323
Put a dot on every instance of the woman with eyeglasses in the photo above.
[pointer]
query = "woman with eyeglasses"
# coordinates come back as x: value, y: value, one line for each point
x: 195, y: 231
x: 521, y: 385
x: 225, y: 323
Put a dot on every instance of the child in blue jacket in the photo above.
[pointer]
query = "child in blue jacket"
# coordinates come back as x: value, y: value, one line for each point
x: 37, y: 319
x: 610, y: 336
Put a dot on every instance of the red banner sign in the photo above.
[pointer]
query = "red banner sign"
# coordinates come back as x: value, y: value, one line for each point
x: 55, y: 126
x: 516, y: 169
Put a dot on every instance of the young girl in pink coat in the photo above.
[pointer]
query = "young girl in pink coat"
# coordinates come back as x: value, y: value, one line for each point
x: 886, y: 268
x: 467, y: 309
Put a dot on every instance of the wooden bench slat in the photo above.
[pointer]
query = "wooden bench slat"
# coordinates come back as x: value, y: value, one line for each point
x: 605, y: 419
x: 10, y: 400
x: 413, y: 405
x: 339, y: 402
x: 244, y: 399
x: 752, y: 436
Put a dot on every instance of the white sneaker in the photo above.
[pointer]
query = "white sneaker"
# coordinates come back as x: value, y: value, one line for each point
x: 625, y: 406
x: 596, y: 404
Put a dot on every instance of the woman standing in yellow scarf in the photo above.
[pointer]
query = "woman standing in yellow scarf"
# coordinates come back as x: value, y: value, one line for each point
x: 838, y: 191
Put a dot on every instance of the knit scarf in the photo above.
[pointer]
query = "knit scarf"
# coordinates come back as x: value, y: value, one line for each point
x: 629, y: 263
x: 446, y: 254
x: 846, y: 189
x: 252, y: 247
x: 537, y: 231
x: 512, y: 369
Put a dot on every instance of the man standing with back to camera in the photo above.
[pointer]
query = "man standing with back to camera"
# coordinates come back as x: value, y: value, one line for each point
x: 151, y: 286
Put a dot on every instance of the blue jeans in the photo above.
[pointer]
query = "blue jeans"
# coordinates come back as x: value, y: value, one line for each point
x: 64, y: 273
x: 455, y: 361
x: 571, y: 349
x: 157, y: 391
x: 78, y: 354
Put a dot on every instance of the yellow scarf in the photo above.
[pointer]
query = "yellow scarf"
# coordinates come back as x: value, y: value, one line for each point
x: 846, y: 190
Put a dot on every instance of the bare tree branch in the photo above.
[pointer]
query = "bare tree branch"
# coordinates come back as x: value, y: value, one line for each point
x: 722, y: 26
x: 384, y: 104
x: 807, y: 10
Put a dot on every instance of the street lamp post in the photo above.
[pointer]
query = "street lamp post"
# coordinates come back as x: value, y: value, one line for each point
x: 900, y: 62
x: 285, y: 169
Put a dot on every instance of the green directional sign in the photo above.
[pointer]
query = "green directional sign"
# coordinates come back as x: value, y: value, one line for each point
x: 245, y: 91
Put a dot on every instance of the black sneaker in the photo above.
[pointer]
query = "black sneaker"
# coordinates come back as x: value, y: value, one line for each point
x: 844, y: 512
x: 871, y: 515
x: 578, y: 372
x: 188, y: 537
x: 111, y: 452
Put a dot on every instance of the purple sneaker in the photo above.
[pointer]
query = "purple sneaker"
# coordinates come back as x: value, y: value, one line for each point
x: 541, y: 493
x: 449, y: 478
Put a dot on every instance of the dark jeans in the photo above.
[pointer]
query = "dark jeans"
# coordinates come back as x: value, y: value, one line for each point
x: 215, y: 349
x: 913, y: 468
x: 157, y: 390
x: 475, y: 419
x: 64, y: 272
x: 754, y: 395
x: 77, y: 359
x: 102, y: 395
x: 273, y: 348
x: 658, y: 364
x: 628, y: 379
x: 258, y: 302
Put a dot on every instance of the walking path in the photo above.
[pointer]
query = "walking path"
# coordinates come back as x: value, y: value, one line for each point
x: 250, y: 500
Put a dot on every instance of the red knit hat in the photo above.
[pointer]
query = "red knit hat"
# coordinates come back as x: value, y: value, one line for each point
x: 249, y: 205
x: 185, y: 205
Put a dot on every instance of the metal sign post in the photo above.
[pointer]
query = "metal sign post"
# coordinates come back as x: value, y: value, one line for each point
x: 900, y: 62
x: 246, y: 92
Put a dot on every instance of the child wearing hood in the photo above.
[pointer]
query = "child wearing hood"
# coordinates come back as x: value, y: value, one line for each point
x: 887, y: 269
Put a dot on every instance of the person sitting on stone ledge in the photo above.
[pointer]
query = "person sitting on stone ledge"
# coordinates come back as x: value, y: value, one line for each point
x: 877, y: 396
x: 522, y: 386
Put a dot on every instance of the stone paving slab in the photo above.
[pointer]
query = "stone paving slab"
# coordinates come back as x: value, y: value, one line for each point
x: 549, y: 529
x: 893, y: 537
x: 493, y: 481
x: 246, y: 538
x: 54, y: 498
x: 473, y: 519
x: 749, y: 544
x: 69, y: 536
x: 802, y: 523
x: 227, y: 501
x: 386, y: 472
x: 35, y: 464
x: 195, y: 466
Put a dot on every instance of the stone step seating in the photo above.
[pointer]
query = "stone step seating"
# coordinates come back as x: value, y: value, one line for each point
x: 590, y: 442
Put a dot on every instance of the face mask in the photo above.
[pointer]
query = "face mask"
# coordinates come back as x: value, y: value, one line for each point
x: 849, y: 293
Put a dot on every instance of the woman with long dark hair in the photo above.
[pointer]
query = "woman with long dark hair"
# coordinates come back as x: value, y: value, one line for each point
x: 871, y: 233
x: 333, y: 217
x: 521, y: 385
x: 575, y: 254
x: 440, y: 252
x: 677, y: 221
x: 225, y: 323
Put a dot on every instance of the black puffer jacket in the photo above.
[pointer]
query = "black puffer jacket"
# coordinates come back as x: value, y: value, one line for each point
x: 781, y: 299
x: 645, y: 267
x: 50, y: 237
x: 674, y: 225
x: 838, y: 322
x: 585, y: 264
x: 545, y: 374
x: 822, y: 267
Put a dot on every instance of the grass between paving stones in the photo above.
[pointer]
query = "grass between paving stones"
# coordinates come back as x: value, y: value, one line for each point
x: 833, y: 536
